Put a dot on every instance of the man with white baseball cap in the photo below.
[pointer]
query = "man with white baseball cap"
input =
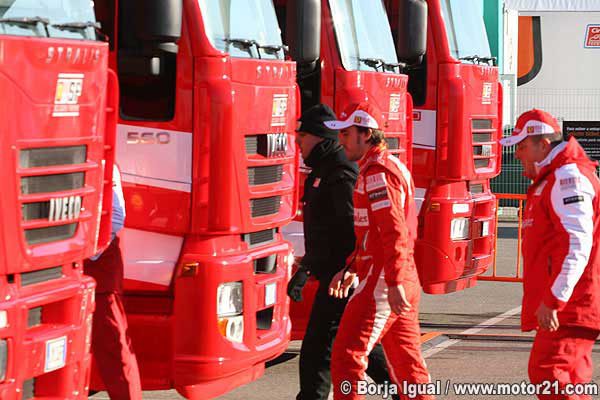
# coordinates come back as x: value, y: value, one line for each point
x: 384, y: 307
x: 560, y: 230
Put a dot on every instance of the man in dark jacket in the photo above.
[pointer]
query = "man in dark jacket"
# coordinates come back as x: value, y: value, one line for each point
x: 329, y: 239
x: 561, y: 261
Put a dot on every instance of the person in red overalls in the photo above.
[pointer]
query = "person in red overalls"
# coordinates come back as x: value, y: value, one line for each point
x: 384, y: 307
x: 111, y: 345
x: 561, y: 263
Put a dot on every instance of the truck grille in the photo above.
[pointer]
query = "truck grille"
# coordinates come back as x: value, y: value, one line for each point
x: 43, y: 275
x: 482, y: 163
x: 251, y: 144
x: 393, y: 143
x: 265, y: 175
x: 478, y: 124
x: 50, y: 234
x: 266, y: 265
x: 39, y: 210
x: 485, y: 147
x: 267, y: 145
x: 482, y: 137
x: 476, y: 188
x: 265, y: 206
x: 28, y: 389
x: 34, y: 317
x: 260, y: 237
x: 53, y: 181
x: 52, y: 156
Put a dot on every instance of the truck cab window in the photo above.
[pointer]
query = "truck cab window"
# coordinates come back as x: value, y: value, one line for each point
x: 467, y: 37
x: 65, y: 19
x: 363, y: 35
x: 226, y: 23
x: 147, y: 72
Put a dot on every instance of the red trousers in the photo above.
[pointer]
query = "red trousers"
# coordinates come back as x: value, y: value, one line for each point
x: 111, y: 346
x: 367, y: 320
x: 564, y: 356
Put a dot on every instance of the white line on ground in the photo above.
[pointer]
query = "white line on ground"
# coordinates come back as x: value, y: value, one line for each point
x: 471, y: 331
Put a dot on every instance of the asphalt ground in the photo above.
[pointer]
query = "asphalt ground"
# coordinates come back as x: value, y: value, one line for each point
x: 471, y: 336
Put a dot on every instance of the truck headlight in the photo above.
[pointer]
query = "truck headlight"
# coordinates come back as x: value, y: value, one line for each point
x: 232, y: 328
x: 3, y: 359
x: 459, y: 229
x: 229, y: 299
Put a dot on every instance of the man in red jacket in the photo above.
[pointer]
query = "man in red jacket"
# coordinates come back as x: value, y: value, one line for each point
x: 561, y: 281
x: 384, y: 307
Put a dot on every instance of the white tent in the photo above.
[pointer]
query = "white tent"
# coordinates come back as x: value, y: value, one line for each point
x: 552, y: 5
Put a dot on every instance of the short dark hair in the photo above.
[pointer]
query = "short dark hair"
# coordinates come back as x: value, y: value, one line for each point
x: 377, y: 135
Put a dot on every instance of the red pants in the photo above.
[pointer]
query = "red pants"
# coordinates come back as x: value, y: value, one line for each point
x: 111, y: 345
x: 564, y: 356
x: 367, y: 320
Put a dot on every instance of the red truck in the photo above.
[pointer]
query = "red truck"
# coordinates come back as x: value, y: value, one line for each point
x: 58, y: 121
x: 453, y: 151
x: 205, y: 146
x: 353, y: 59
x: 457, y: 122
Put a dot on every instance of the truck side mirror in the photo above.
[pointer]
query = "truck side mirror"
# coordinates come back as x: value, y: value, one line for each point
x: 157, y: 23
x: 303, y: 30
x: 411, y: 41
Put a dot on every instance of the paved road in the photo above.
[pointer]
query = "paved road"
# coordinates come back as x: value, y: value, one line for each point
x: 490, y: 308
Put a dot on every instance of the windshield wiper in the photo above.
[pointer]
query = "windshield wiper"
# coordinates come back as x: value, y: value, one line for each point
x: 488, y: 59
x: 249, y: 43
x: 400, y: 65
x: 475, y: 59
x: 373, y: 62
x: 81, y: 27
x: 27, y: 22
x: 245, y: 43
x: 273, y: 47
x: 379, y: 62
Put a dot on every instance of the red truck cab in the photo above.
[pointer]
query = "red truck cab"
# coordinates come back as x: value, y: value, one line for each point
x: 457, y: 122
x: 208, y: 110
x: 354, y: 61
x: 57, y: 124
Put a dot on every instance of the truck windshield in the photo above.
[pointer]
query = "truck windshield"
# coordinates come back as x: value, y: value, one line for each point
x: 69, y: 19
x: 243, y: 28
x: 363, y: 34
x: 467, y: 36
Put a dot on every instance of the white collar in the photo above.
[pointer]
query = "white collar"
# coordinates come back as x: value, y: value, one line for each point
x: 552, y: 155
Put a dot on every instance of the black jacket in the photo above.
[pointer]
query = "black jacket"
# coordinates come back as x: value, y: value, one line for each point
x: 328, y: 210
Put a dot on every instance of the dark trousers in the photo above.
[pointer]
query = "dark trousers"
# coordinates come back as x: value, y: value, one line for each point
x: 315, y: 354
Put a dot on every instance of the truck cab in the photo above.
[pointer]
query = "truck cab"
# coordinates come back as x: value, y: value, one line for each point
x: 208, y: 110
x: 457, y: 120
x: 355, y: 60
x: 58, y: 102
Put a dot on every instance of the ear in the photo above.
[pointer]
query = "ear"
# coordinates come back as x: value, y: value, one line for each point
x: 546, y: 143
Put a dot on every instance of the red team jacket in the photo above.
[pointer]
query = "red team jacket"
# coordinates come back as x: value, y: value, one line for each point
x: 385, y: 218
x: 560, y: 240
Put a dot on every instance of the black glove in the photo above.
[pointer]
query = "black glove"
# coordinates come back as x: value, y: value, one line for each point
x: 297, y: 282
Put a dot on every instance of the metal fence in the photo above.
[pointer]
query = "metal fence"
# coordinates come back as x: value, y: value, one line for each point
x: 511, y: 179
x: 565, y: 105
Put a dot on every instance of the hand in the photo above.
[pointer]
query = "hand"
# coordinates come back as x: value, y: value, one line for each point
x: 341, y: 284
x: 547, y: 318
x: 296, y: 284
x: 397, y: 299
